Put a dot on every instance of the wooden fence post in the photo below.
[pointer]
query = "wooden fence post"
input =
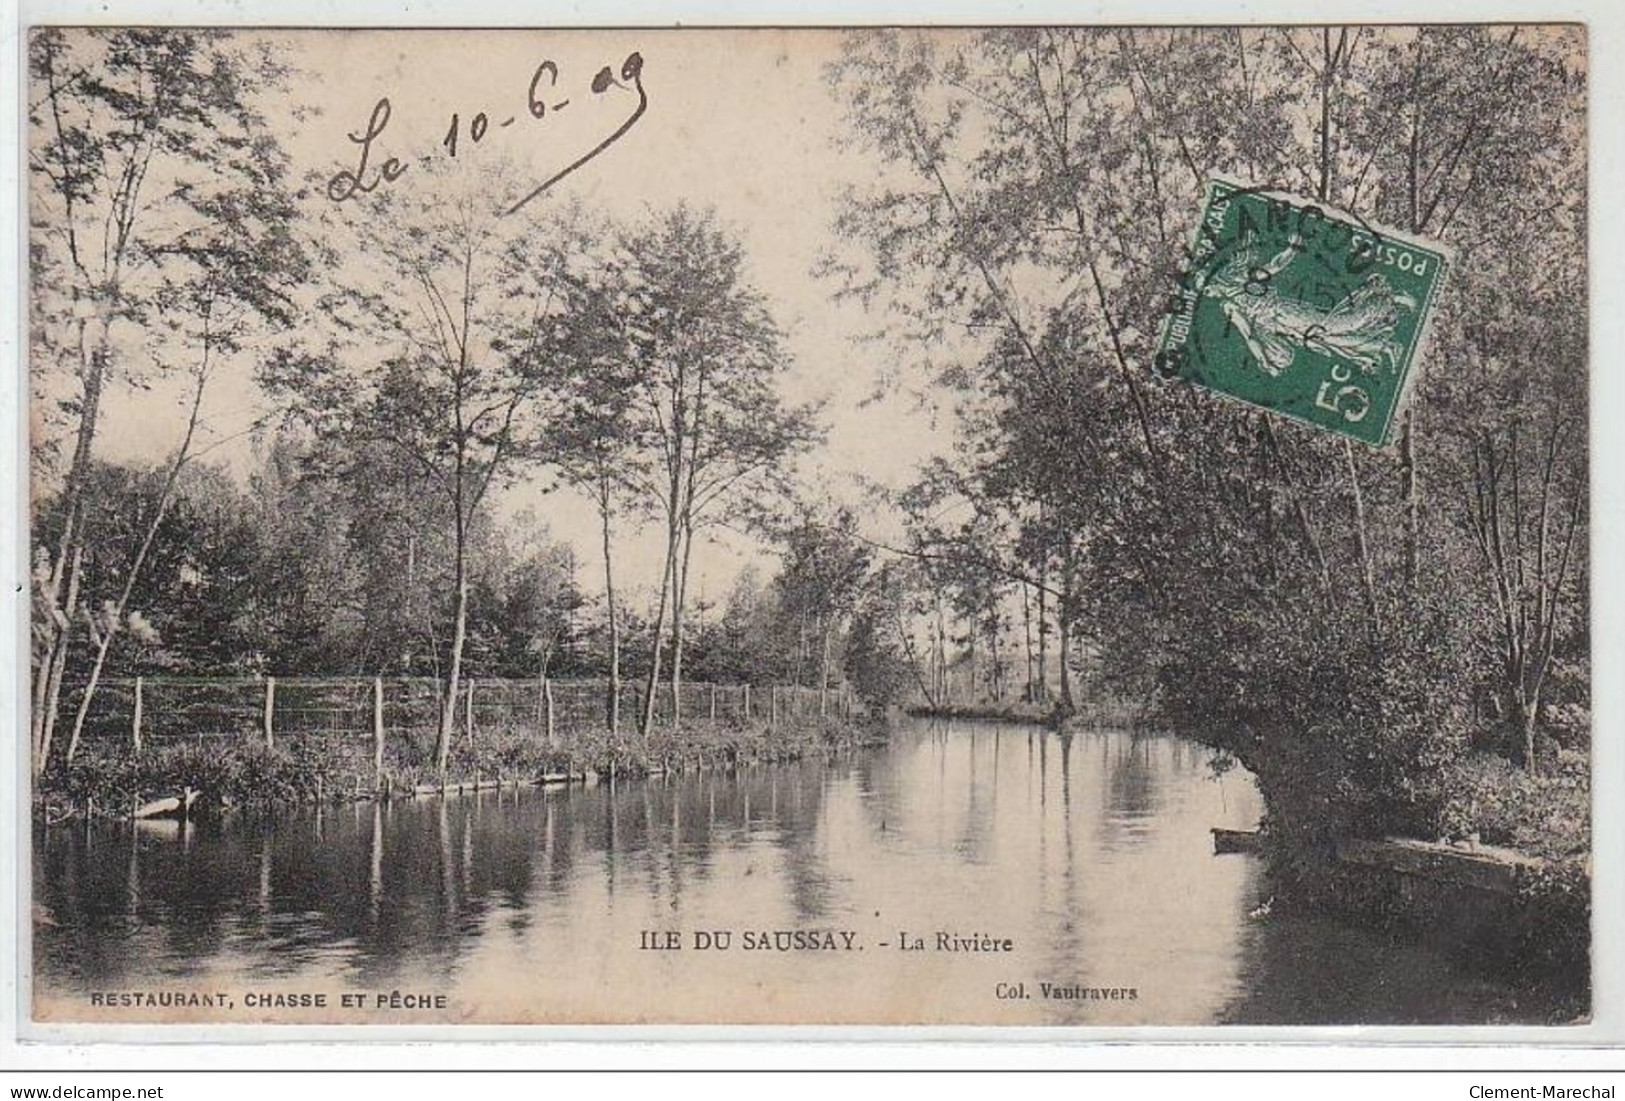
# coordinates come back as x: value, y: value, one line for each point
x: 713, y: 702
x: 547, y: 700
x: 468, y: 713
x: 773, y: 707
x: 135, y: 722
x: 747, y: 702
x: 270, y: 710
x: 378, y: 733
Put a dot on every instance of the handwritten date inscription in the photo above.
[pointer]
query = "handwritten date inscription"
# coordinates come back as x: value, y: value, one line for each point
x: 542, y: 101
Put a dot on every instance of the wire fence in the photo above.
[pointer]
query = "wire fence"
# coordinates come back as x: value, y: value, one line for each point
x: 151, y: 711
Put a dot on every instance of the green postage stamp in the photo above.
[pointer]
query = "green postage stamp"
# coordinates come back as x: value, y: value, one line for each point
x: 1302, y: 310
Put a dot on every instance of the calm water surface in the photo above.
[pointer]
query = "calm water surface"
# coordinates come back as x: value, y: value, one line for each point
x: 1089, y: 853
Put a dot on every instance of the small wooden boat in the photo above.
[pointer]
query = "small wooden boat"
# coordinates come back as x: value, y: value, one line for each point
x: 1236, y: 841
x: 172, y: 807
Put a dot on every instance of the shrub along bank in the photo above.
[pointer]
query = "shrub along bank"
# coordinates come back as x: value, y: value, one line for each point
x: 246, y: 774
x: 1408, y: 769
x: 1369, y: 727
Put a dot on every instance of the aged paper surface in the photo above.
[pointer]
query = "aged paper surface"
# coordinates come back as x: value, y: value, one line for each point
x: 710, y: 526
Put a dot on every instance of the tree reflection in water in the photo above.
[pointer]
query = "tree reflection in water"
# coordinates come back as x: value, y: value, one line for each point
x: 1090, y: 850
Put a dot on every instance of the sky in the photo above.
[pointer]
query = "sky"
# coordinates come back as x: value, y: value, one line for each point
x: 738, y: 120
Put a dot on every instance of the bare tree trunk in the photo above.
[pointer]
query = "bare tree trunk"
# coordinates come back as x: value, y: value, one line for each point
x: 679, y: 596
x: 1367, y: 569
x: 1065, y: 638
x: 1043, y: 632
x: 971, y: 661
x: 614, y: 701
x: 51, y: 631
x: 50, y: 664
x: 1528, y: 716
x: 59, y: 661
x: 1332, y: 57
x: 448, y: 712
x: 1413, y: 499
x: 1027, y: 634
x: 998, y: 661
x: 1063, y: 621
x: 652, y: 683
x: 944, y: 687
x: 823, y: 674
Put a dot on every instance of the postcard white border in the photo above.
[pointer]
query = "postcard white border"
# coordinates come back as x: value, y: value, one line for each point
x: 223, y: 1047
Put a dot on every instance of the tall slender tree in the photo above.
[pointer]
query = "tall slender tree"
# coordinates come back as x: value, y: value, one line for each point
x: 437, y: 348
x: 601, y: 446
x: 151, y: 171
x: 705, y: 356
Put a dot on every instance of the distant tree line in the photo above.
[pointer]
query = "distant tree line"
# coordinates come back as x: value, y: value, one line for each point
x: 294, y: 571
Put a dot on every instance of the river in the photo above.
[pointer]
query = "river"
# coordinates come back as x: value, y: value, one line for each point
x: 1073, y: 877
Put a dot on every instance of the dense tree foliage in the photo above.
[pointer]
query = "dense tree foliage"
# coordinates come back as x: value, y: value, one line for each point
x: 303, y: 569
x: 1292, y: 599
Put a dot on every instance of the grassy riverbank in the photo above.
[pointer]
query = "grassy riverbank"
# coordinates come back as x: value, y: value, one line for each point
x: 246, y: 774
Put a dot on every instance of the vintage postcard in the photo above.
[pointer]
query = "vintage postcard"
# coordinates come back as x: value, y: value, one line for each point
x: 1000, y: 526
